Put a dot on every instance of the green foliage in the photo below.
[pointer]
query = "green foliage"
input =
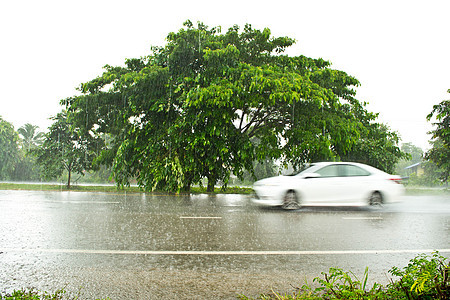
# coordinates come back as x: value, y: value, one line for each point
x: 378, y: 147
x: 102, y: 175
x: 31, y: 137
x: 424, y: 278
x: 415, y: 155
x: 430, y: 176
x: 440, y: 151
x: 27, y: 168
x: 345, y: 285
x: 264, y: 169
x: 426, y: 174
x: 439, y: 155
x: 16, y: 161
x: 207, y: 105
x: 33, y: 294
x: 65, y: 149
x: 9, y: 149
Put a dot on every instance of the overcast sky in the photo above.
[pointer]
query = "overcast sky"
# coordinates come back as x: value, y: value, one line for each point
x: 398, y: 50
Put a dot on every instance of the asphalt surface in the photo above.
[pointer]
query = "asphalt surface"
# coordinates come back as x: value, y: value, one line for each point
x: 139, y: 246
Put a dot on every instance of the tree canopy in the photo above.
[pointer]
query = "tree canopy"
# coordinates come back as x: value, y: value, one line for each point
x: 440, y: 151
x: 207, y: 105
x: 31, y: 137
x: 64, y: 149
x: 9, y: 149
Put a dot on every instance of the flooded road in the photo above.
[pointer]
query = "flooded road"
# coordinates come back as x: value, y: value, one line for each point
x: 138, y: 246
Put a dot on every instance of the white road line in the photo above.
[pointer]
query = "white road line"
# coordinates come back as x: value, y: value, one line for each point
x: 362, y: 218
x: 162, y: 252
x: 82, y: 202
x: 91, y: 202
x: 213, y: 218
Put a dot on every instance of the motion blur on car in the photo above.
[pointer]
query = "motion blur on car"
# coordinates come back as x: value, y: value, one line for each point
x: 329, y: 184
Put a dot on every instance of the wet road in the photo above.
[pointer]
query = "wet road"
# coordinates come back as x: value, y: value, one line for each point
x: 195, y: 247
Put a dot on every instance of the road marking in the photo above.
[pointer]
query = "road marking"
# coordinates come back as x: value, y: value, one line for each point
x: 90, y: 202
x: 213, y: 218
x: 81, y: 202
x: 194, y: 252
x: 362, y: 218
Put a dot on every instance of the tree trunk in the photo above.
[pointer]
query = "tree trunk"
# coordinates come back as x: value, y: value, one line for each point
x: 211, y: 184
x: 186, y: 188
x: 68, y: 180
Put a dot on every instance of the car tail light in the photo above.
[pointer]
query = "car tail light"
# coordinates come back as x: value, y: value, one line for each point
x: 396, y: 180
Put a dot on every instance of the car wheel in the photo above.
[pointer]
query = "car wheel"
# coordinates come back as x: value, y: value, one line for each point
x: 375, y: 199
x: 291, y: 201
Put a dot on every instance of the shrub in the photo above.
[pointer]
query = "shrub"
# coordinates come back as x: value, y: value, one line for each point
x: 32, y: 294
x: 425, y: 277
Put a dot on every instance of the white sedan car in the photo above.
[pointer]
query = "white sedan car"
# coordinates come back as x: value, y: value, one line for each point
x: 329, y: 183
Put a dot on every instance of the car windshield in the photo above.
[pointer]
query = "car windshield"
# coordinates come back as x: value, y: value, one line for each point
x: 310, y: 168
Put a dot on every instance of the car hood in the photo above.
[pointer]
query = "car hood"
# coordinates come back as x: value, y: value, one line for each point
x: 276, y: 180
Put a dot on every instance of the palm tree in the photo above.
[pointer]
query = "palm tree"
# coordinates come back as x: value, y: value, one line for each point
x: 31, y: 137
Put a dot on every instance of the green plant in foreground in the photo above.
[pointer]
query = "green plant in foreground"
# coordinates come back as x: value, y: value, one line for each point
x: 345, y: 285
x: 423, y: 278
x: 34, y: 294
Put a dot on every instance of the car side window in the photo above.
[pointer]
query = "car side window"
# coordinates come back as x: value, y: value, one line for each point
x: 350, y: 170
x: 328, y: 171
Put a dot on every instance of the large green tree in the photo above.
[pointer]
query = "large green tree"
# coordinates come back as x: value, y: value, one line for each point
x: 378, y: 147
x: 64, y: 149
x: 440, y: 151
x: 209, y: 104
x: 9, y: 149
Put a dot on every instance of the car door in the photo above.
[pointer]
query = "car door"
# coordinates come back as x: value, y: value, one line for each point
x: 355, y: 183
x: 326, y: 188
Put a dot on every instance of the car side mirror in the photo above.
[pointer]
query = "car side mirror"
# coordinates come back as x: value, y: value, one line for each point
x: 311, y: 175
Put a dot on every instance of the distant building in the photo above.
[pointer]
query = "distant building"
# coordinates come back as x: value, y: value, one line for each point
x: 415, y: 168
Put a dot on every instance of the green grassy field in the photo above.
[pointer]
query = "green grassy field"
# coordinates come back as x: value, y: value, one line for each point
x: 111, y: 188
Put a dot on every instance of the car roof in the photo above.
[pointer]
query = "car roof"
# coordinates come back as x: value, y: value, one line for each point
x: 364, y: 166
x: 324, y: 163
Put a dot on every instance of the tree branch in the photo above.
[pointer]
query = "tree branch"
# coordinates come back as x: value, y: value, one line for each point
x: 255, y: 116
x: 244, y: 112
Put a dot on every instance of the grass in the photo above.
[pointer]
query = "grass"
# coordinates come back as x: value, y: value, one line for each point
x: 418, y: 190
x: 112, y: 188
x: 410, y: 190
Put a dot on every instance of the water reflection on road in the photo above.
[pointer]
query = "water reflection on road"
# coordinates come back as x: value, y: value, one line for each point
x: 50, y: 239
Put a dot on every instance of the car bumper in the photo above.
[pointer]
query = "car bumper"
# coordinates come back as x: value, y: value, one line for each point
x: 394, y: 195
x: 266, y: 202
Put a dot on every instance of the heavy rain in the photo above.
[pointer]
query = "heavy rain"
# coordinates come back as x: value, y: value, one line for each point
x: 200, y: 246
x: 212, y: 108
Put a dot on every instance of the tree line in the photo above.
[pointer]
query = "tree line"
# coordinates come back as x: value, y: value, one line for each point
x: 15, y: 161
x: 207, y: 106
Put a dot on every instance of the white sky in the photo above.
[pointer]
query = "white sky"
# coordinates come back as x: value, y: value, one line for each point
x: 398, y: 50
